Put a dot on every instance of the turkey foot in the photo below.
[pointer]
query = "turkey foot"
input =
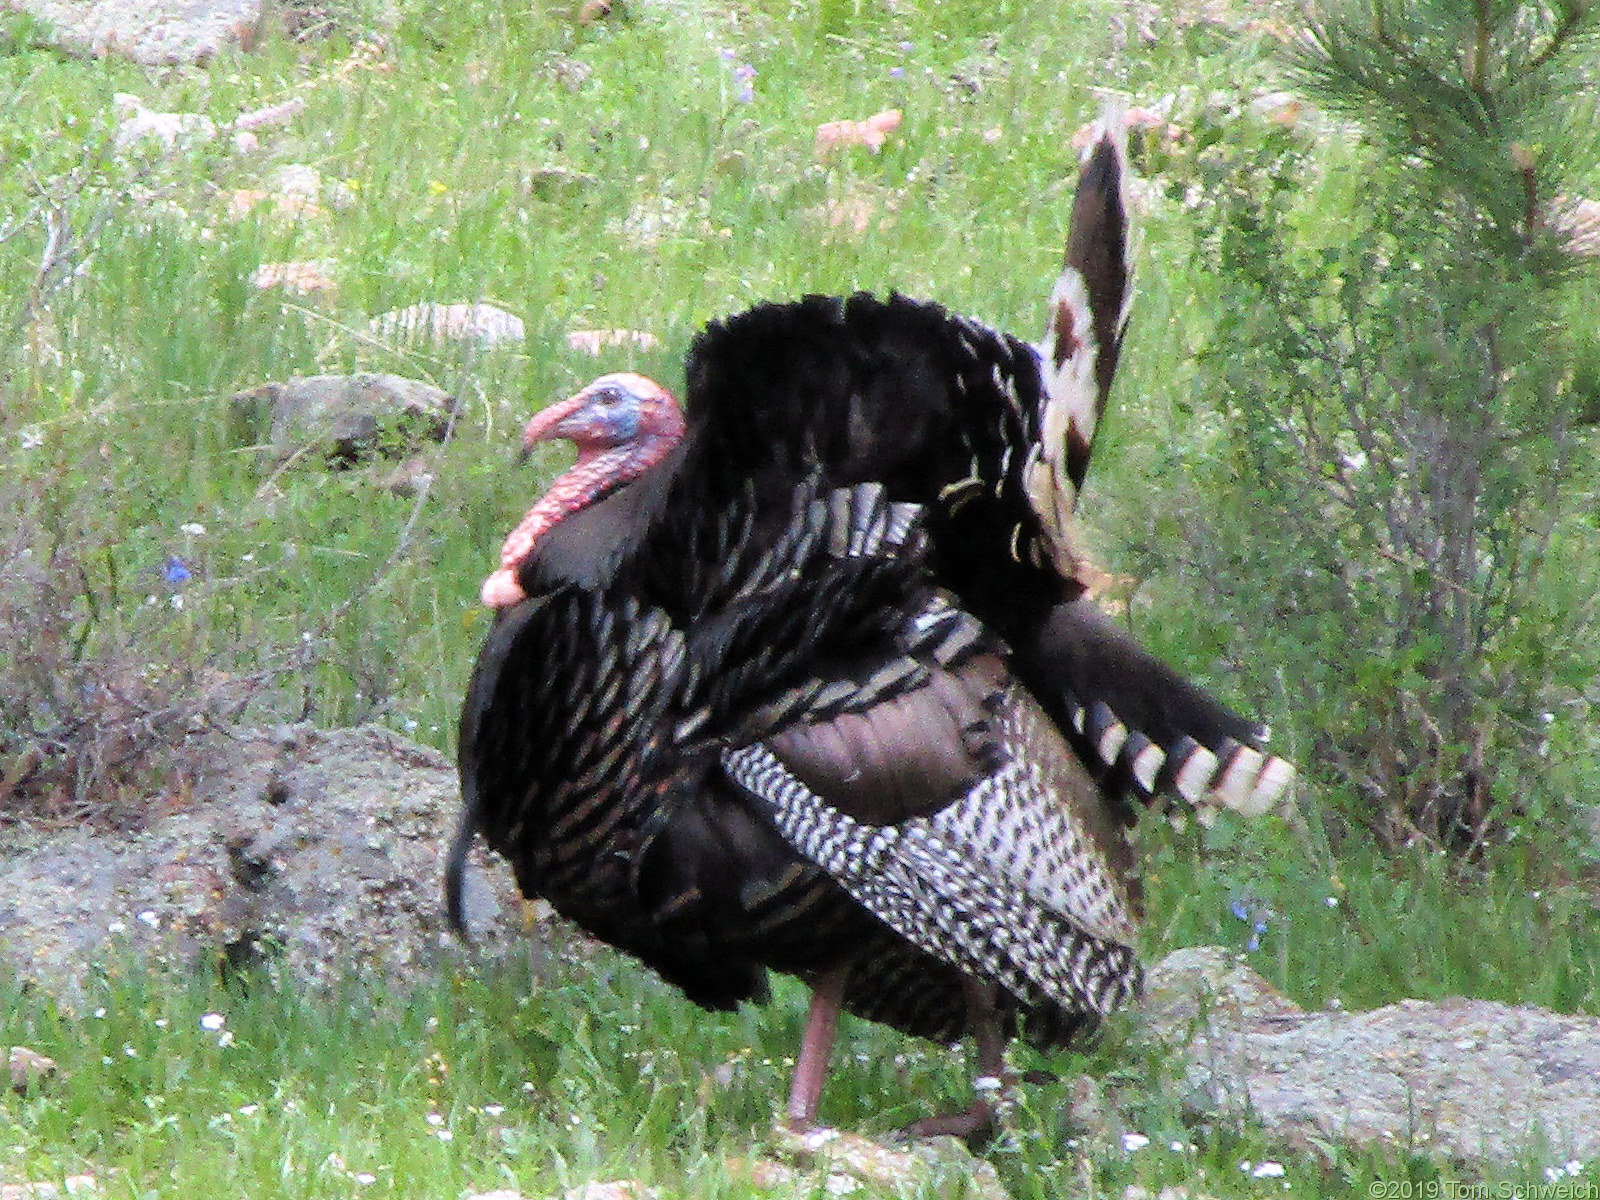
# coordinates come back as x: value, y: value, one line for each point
x: 980, y: 1123
x: 977, y: 1126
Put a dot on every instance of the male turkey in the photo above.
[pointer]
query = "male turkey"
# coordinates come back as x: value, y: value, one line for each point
x: 993, y: 436
x: 796, y: 756
x: 808, y: 683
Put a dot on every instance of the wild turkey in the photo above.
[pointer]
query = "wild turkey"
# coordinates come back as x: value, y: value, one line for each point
x: 993, y: 436
x: 808, y: 684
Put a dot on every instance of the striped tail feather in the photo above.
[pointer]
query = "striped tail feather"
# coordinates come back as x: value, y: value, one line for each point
x: 1088, y: 313
x: 1243, y: 778
x: 1145, y: 724
x: 1141, y: 721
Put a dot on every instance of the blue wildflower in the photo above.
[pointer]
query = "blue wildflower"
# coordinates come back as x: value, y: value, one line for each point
x: 1255, y: 913
x: 176, y: 572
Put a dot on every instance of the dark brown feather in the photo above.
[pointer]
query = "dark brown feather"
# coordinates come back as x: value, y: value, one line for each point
x: 907, y: 756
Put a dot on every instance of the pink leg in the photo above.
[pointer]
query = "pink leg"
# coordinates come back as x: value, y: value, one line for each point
x: 979, y: 1122
x: 805, y: 1093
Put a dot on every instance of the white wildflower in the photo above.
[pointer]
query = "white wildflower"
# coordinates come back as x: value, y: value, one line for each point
x: 212, y: 1022
x: 1134, y: 1141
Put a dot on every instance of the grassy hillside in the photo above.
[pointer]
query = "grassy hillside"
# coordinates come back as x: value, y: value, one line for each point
x: 648, y: 172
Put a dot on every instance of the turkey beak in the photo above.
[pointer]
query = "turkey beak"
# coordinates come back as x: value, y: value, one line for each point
x: 546, y: 424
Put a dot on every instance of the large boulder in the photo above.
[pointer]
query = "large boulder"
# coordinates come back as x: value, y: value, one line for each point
x: 347, y: 419
x: 154, y: 32
x: 1475, y: 1081
x: 314, y: 853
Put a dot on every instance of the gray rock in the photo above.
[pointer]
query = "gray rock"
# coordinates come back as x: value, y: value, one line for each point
x: 485, y: 324
x: 1471, y: 1080
x: 938, y: 1167
x: 557, y: 183
x: 137, y: 124
x: 29, y: 1069
x: 349, y: 418
x: 321, y: 854
x: 154, y: 32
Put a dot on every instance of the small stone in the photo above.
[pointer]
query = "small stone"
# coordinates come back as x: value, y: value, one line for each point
x: 247, y: 202
x: 310, y: 185
x: 767, y: 1174
x: 408, y: 478
x: 72, y: 1185
x: 596, y: 341
x: 152, y: 32
x: 176, y: 130
x: 1281, y: 108
x: 1088, y: 1113
x: 1576, y: 221
x: 871, y: 132
x: 483, y: 323
x: 273, y: 114
x: 927, y: 1168
x: 570, y: 73
x: 349, y: 418
x: 29, y: 1068
x: 622, y: 1189
x: 302, y: 278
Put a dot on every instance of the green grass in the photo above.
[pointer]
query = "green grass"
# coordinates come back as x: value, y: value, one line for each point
x: 586, y: 1068
x: 697, y: 205
x: 115, y: 433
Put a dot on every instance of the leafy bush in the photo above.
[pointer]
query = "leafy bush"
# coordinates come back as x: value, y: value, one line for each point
x: 1403, y: 389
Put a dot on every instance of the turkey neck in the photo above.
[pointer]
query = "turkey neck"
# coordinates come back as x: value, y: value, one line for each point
x: 586, y: 545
